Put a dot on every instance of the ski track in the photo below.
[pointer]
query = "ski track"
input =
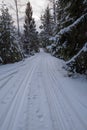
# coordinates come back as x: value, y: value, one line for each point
x: 60, y: 94
x: 33, y: 96
x: 14, y: 104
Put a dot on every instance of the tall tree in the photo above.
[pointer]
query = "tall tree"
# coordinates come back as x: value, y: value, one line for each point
x: 30, y: 33
x: 47, y: 25
x: 9, y: 50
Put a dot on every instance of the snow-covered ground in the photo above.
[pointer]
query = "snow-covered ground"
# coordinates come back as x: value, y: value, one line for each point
x: 36, y: 94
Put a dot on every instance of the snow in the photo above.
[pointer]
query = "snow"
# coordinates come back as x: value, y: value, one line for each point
x: 84, y: 49
x: 49, y: 47
x: 52, y: 38
x: 69, y: 28
x: 36, y: 94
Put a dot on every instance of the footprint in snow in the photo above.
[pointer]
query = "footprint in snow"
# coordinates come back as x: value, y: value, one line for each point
x: 39, y: 115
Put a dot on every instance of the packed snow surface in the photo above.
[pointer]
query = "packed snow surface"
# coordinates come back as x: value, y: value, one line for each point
x: 36, y: 94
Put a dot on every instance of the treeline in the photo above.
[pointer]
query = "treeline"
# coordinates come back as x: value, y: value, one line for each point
x: 15, y: 46
x: 64, y: 27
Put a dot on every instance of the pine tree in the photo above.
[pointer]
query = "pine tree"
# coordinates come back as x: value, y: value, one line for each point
x: 9, y: 50
x: 30, y: 33
x: 47, y: 26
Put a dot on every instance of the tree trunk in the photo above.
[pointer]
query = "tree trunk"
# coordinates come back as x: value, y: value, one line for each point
x: 17, y: 16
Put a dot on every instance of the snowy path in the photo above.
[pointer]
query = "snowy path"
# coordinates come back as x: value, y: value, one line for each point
x: 35, y: 95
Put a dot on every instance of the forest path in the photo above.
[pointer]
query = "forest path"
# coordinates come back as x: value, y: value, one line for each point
x: 35, y: 95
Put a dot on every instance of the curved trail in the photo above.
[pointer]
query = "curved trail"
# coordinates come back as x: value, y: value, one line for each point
x: 34, y: 95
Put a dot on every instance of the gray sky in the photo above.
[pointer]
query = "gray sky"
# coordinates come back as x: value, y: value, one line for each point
x: 37, y: 5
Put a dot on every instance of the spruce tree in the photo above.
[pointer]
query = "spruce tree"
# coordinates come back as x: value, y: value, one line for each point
x: 47, y: 26
x: 72, y: 33
x: 9, y: 50
x: 30, y: 33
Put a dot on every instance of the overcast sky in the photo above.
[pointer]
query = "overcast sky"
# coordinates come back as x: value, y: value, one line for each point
x: 37, y: 5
